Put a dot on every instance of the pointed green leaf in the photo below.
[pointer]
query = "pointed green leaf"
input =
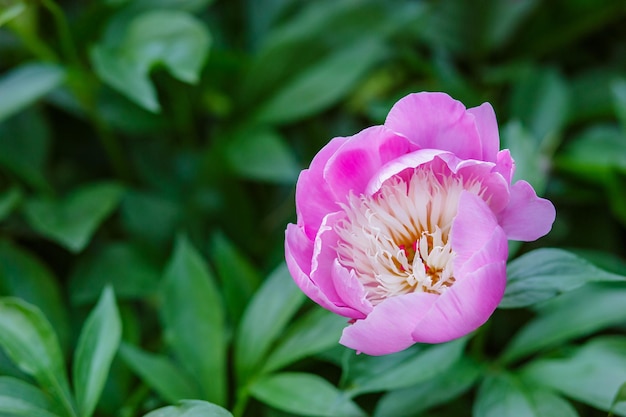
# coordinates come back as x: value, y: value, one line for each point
x: 193, y: 318
x: 19, y: 398
x: 30, y: 342
x: 190, y: 408
x: 160, y: 374
x: 72, y: 221
x: 97, y: 345
x: 620, y: 397
x: 264, y: 320
x: 544, y: 273
x: 304, y: 394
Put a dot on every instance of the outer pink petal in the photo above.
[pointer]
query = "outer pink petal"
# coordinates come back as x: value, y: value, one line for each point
x: 298, y: 252
x: 505, y: 165
x: 387, y: 329
x: 353, y: 164
x: 313, y: 197
x: 436, y: 121
x: 464, y: 307
x: 527, y: 217
x: 350, y: 290
x: 487, y: 126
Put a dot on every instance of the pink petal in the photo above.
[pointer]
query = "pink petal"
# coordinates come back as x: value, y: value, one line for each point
x: 352, y: 165
x: 436, y: 121
x: 463, y: 307
x: 298, y: 252
x: 350, y: 290
x: 311, y: 210
x: 487, y: 125
x: 527, y: 217
x: 505, y: 165
x: 387, y: 329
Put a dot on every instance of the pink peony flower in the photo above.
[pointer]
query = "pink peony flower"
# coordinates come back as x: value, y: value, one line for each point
x: 403, y: 227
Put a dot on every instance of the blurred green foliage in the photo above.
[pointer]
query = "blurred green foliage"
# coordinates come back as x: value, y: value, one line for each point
x: 149, y: 149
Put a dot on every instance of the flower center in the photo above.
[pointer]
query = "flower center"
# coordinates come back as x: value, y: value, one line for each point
x: 397, y: 241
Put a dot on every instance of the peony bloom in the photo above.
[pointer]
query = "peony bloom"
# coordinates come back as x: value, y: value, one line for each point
x: 403, y: 227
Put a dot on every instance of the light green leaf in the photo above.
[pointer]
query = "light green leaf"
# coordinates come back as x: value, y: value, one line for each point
x: 72, y: 221
x: 238, y: 276
x: 160, y: 374
x: 318, y: 330
x: 22, y: 86
x: 506, y: 395
x: 122, y: 265
x: 324, y: 83
x: 11, y: 11
x: 264, y: 320
x: 261, y: 154
x: 19, y: 398
x: 97, y: 345
x: 563, y: 318
x: 304, y: 394
x: 441, y: 389
x: 423, y: 364
x: 190, y: 408
x: 29, y: 340
x: 592, y: 373
x: 172, y: 38
x: 193, y: 318
x: 25, y: 276
x: 620, y: 397
x: 545, y: 273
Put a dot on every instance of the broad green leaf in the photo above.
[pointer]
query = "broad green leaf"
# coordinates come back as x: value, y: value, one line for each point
x: 29, y: 340
x: 238, y: 276
x: 190, y: 408
x: 506, y: 395
x: 591, y: 373
x: 545, y: 273
x: 174, y: 39
x: 318, y: 330
x: 9, y: 200
x: 261, y: 154
x: 193, y: 318
x: 11, y: 11
x: 304, y: 394
x: 22, y: 86
x: 412, y: 369
x: 563, y: 318
x: 160, y: 374
x: 440, y: 389
x: 150, y: 217
x: 19, y: 398
x: 72, y: 221
x: 323, y: 84
x: 97, y: 345
x: 264, y: 320
x: 122, y: 265
x: 23, y: 275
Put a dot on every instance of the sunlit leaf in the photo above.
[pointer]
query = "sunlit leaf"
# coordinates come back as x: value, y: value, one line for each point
x: 190, y: 408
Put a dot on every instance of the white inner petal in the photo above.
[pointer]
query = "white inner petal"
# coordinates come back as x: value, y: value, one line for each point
x: 397, y: 240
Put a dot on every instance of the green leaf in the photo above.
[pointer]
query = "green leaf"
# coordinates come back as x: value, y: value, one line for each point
x: 563, y: 319
x: 545, y: 273
x: 304, y: 394
x: 150, y: 217
x: 261, y: 154
x: 620, y: 397
x: 19, y: 398
x: 72, y: 221
x: 160, y: 374
x: 422, y: 364
x: 238, y: 276
x: 440, y: 389
x: 122, y: 265
x: 193, y: 318
x: 11, y: 12
x: 618, y: 88
x: 316, y: 331
x: 506, y: 395
x: 97, y: 345
x: 324, y: 83
x: 9, y: 200
x: 174, y: 39
x: 190, y: 408
x: 25, y: 276
x: 22, y: 86
x: 264, y: 320
x: 591, y: 373
x: 30, y: 342
x: 530, y: 164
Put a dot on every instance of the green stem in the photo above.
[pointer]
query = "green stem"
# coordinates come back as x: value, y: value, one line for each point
x: 63, y: 28
x: 242, y: 401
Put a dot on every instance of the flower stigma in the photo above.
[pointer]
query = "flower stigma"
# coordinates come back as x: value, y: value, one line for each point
x: 397, y: 240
